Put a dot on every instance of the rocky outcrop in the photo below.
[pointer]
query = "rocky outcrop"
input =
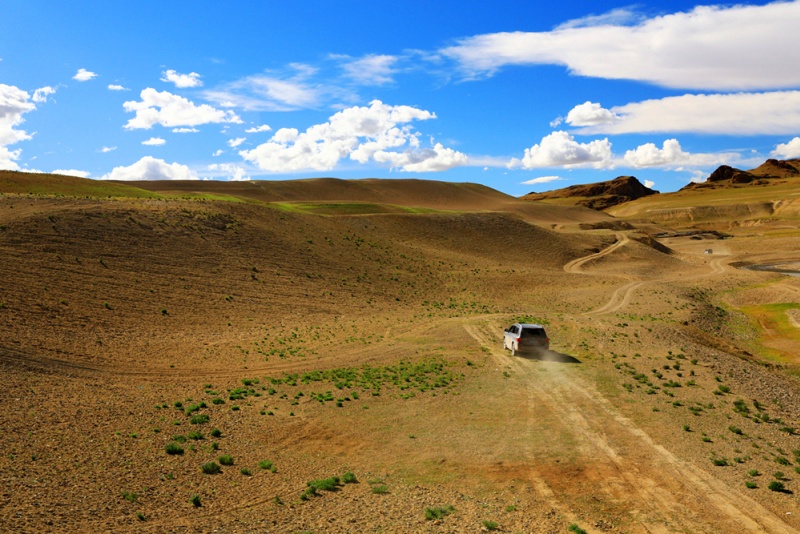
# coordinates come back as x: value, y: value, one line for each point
x: 601, y: 195
x: 771, y: 171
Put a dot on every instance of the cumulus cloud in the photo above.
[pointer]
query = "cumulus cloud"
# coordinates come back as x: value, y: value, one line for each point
x: 116, y: 87
x: 434, y: 159
x: 770, y: 113
x: 258, y: 129
x: 154, y: 141
x: 84, y: 75
x: 171, y: 110
x: 371, y: 70
x: 648, y: 155
x: 72, y: 172
x: 649, y: 184
x: 560, y: 149
x: 149, y: 168
x: 107, y: 149
x: 671, y: 155
x: 787, y: 150
x: 734, y: 47
x: 14, y: 102
x: 233, y: 172
x: 218, y: 153
x: 40, y: 95
x: 181, y: 80
x: 590, y: 114
x: 542, y: 180
x: 380, y: 133
x: 185, y: 130
x: 233, y: 143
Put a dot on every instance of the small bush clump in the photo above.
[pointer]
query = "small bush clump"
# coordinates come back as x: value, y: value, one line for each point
x: 195, y: 500
x: 199, y: 419
x: 225, y: 459
x: 438, y: 512
x: 211, y: 468
x: 173, y: 448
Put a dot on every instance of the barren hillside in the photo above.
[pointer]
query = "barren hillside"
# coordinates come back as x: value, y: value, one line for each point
x: 286, y: 338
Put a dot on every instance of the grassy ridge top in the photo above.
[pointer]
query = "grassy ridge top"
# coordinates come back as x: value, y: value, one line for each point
x: 29, y: 183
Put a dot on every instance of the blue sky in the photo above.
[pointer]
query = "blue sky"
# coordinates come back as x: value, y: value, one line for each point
x: 515, y: 95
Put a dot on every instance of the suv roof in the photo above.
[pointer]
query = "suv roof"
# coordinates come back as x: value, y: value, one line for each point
x: 530, y: 325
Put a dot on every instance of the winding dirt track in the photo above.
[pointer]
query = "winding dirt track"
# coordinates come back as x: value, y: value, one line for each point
x: 616, y: 461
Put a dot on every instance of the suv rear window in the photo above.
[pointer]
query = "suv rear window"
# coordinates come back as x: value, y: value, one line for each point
x: 533, y: 332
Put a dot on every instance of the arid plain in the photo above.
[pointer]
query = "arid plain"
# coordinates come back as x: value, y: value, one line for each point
x: 293, y: 332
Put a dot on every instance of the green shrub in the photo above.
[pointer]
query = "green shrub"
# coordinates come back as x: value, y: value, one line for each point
x: 216, y: 433
x: 225, y: 459
x: 750, y: 484
x: 380, y: 490
x: 199, y: 419
x: 195, y: 500
x: 735, y: 430
x: 210, y: 468
x: 129, y: 496
x: 438, y: 512
x: 173, y: 448
x: 720, y: 462
x: 349, y: 478
x: 196, y: 435
x: 490, y: 525
x: 245, y: 471
x: 776, y: 485
x: 217, y: 400
x: 266, y: 464
x: 753, y: 473
x: 576, y: 529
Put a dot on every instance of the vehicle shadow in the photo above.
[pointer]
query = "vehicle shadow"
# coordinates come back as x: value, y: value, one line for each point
x: 549, y: 356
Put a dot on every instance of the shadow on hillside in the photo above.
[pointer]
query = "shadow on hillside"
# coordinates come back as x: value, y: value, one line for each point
x: 549, y: 356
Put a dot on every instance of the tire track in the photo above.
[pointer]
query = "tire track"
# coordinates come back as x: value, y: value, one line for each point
x: 620, y: 461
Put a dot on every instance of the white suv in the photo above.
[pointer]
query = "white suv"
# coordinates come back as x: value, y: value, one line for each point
x: 524, y: 337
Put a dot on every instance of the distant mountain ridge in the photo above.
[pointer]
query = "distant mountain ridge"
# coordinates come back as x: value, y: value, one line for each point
x: 599, y: 195
x: 766, y: 173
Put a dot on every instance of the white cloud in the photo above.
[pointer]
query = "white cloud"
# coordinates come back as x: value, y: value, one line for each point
x: 231, y: 171
x: 218, y: 153
x: 233, y: 143
x: 267, y: 93
x: 771, y: 113
x: 40, y: 95
x: 154, y: 141
x: 560, y: 149
x: 360, y: 133
x: 72, y: 172
x: 787, y: 150
x: 14, y: 102
x: 185, y: 130
x: 171, y: 110
x: 116, y: 87
x: 618, y: 16
x: 258, y: 129
x: 149, y: 168
x: 542, y: 180
x: 648, y: 155
x: 371, y: 70
x: 734, y: 47
x: 590, y: 114
x: 649, y: 184
x: 671, y: 155
x: 107, y: 149
x: 182, y: 80
x: 84, y: 75
x: 435, y: 159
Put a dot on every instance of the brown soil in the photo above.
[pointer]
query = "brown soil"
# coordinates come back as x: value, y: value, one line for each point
x: 113, y: 311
